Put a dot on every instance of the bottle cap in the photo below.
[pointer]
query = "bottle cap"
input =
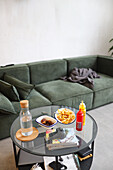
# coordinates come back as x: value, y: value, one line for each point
x: 79, y: 112
x: 24, y: 103
x: 82, y: 105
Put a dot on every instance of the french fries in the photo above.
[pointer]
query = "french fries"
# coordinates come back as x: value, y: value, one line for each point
x: 66, y: 116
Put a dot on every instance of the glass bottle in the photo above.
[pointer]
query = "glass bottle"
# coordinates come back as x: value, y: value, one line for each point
x: 25, y: 118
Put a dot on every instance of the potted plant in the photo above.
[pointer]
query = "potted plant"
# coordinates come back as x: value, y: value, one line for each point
x: 111, y: 48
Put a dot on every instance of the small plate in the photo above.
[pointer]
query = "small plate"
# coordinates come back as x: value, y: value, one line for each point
x: 61, y: 121
x: 38, y: 120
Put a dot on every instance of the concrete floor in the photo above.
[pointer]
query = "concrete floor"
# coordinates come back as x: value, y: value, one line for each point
x: 103, y: 155
x: 103, y: 152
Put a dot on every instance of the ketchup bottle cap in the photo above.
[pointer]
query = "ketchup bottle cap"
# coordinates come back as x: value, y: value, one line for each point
x: 79, y: 112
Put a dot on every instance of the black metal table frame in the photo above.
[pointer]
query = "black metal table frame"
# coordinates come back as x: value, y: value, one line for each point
x: 90, y: 143
x: 16, y: 155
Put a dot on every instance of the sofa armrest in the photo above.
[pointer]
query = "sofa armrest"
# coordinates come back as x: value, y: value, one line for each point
x: 105, y: 65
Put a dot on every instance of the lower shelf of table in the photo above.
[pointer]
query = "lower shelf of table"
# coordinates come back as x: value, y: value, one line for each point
x: 84, y: 165
x: 27, y: 160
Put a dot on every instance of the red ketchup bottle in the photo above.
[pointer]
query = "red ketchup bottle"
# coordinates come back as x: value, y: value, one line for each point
x: 79, y: 120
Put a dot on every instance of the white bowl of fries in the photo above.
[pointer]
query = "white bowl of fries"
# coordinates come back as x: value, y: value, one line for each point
x: 65, y: 116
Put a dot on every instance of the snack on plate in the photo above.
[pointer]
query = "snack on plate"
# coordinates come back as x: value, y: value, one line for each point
x: 47, y: 122
x: 66, y: 116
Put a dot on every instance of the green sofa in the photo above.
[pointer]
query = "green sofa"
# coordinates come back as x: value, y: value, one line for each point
x: 40, y: 83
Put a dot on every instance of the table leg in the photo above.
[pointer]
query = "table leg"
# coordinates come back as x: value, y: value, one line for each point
x: 15, y: 154
x: 92, y: 147
x: 56, y: 162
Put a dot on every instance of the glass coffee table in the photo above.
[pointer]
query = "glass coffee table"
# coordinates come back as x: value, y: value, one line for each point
x: 37, y: 146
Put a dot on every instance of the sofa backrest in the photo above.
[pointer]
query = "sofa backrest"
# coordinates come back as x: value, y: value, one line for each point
x: 19, y: 71
x: 44, y: 71
x: 82, y: 62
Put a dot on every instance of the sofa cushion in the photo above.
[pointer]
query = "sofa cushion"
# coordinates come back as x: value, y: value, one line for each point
x: 23, y: 88
x: 60, y: 90
x: 103, y: 90
x: 75, y: 101
x: 20, y: 71
x: 35, y: 100
x: 82, y: 62
x: 45, y: 71
x: 9, y: 91
x: 6, y: 106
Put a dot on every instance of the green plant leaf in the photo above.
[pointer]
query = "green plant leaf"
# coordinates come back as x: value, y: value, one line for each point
x: 111, y: 40
x: 110, y: 49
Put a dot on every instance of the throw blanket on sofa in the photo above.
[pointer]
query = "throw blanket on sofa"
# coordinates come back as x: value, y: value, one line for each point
x: 83, y: 76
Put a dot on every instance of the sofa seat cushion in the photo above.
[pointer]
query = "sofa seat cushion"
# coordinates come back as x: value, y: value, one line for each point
x: 35, y: 100
x: 23, y: 88
x: 60, y: 90
x: 103, y: 90
x: 6, y: 106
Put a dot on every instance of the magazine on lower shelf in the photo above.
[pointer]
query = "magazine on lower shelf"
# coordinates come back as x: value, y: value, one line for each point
x: 60, y: 138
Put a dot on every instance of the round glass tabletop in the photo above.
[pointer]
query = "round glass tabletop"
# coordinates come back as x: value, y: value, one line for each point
x: 38, y: 147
